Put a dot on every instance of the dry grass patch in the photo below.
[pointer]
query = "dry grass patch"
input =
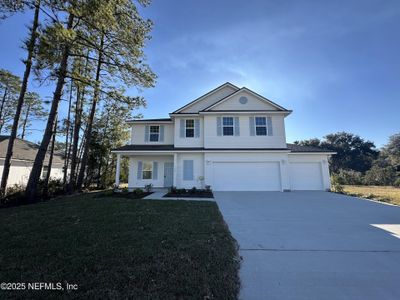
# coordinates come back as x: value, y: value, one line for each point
x: 387, y: 194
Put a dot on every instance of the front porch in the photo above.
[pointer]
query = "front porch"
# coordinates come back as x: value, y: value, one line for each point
x: 159, y: 170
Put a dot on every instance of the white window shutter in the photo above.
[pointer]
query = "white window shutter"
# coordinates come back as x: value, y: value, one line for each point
x: 269, y: 124
x: 219, y: 126
x: 197, y: 128
x: 251, y: 125
x: 139, y: 170
x: 237, y: 126
x: 182, y: 128
x: 155, y: 170
x: 146, y: 133
x: 188, y: 170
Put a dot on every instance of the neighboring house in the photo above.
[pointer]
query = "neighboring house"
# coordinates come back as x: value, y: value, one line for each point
x: 24, y: 153
x: 231, y: 139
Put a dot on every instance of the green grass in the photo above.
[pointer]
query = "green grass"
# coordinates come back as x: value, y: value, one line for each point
x: 387, y: 194
x: 119, y: 248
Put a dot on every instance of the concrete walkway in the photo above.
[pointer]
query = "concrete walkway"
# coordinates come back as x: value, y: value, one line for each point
x: 314, y: 245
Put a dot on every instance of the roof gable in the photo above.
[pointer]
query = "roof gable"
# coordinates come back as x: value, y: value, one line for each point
x: 208, y: 99
x: 244, y: 99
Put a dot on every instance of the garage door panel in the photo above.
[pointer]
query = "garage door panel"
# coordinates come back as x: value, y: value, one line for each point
x: 306, y: 176
x: 246, y: 176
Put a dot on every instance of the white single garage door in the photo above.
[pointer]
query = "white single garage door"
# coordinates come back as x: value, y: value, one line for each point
x: 246, y: 176
x: 306, y: 176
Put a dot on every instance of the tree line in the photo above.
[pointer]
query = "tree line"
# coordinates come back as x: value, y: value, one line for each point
x: 357, y: 161
x: 93, y: 52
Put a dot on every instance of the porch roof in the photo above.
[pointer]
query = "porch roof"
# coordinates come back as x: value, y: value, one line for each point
x: 290, y: 148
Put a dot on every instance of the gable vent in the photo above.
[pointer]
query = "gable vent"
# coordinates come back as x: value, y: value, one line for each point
x: 243, y: 100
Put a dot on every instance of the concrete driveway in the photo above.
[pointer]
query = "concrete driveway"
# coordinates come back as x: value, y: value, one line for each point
x: 314, y: 245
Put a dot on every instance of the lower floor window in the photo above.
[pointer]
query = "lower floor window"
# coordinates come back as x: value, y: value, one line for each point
x: 45, y: 170
x: 147, y: 170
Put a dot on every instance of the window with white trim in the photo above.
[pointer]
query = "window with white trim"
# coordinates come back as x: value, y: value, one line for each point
x: 189, y: 128
x: 147, y: 171
x: 154, y: 133
x: 261, y: 125
x: 227, y: 126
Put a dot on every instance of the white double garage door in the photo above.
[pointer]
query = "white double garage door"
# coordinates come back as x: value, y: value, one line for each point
x: 265, y: 176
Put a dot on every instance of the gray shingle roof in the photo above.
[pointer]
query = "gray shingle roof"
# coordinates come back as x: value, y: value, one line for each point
x: 299, y: 148
x: 26, y: 150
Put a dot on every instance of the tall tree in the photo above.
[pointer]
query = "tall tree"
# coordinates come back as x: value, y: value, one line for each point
x: 10, y: 85
x: 30, y: 45
x: 119, y: 59
x: 352, y: 152
x: 392, y: 150
x: 66, y: 36
x: 32, y: 110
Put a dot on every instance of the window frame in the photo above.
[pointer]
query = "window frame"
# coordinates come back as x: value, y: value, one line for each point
x: 260, y: 126
x: 146, y: 170
x: 228, y: 126
x: 154, y: 133
x: 45, y: 171
x: 189, y: 128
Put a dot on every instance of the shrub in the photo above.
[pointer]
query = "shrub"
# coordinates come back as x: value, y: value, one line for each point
x: 125, y: 190
x: 336, y: 185
x: 397, y: 182
x: 172, y: 189
x: 138, y: 191
x: 380, y: 176
x: 350, y: 177
x: 193, y: 190
x: 148, y: 187
x: 208, y: 188
x: 181, y: 191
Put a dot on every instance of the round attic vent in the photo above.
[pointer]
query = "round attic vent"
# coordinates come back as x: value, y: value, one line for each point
x: 243, y: 100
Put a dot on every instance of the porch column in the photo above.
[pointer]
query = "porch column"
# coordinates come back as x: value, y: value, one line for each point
x: 175, y: 168
x: 117, y: 170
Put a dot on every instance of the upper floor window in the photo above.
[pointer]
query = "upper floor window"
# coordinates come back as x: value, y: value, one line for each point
x: 189, y: 128
x: 261, y: 125
x: 227, y: 126
x: 154, y: 133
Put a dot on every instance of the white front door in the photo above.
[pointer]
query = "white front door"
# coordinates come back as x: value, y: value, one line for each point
x: 246, y: 176
x: 306, y: 176
x: 168, y: 174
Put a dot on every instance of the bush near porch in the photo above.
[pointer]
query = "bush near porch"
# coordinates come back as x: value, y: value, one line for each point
x: 189, y: 193
x: 113, y: 247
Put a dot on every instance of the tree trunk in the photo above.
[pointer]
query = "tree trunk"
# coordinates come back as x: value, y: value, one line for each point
x: 28, y: 66
x: 46, y: 180
x: 66, y: 156
x: 75, y: 139
x: 25, y: 121
x: 96, y: 96
x: 31, y: 189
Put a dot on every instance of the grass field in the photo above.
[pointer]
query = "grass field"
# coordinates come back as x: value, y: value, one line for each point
x: 381, y: 193
x: 115, y: 248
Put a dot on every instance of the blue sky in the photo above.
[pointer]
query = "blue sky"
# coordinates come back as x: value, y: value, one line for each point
x: 336, y: 64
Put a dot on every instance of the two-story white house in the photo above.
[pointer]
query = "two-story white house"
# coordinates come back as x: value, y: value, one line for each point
x: 231, y: 139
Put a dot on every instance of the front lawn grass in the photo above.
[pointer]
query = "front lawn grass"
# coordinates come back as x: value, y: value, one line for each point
x: 387, y: 194
x: 117, y: 248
